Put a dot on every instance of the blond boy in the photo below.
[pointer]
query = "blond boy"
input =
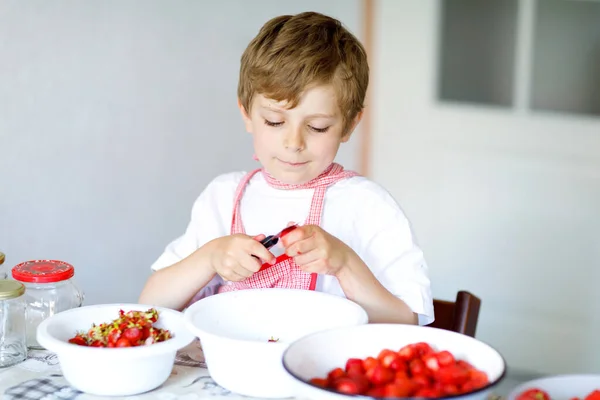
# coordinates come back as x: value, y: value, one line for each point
x: 301, y: 94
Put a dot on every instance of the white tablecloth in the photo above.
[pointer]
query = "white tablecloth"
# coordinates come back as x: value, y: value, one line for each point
x: 40, y: 378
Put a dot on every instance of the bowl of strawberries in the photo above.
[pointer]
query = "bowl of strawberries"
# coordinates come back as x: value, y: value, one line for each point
x: 115, y: 349
x: 570, y: 386
x: 392, y: 361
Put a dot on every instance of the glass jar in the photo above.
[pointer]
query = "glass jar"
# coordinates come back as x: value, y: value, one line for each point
x: 2, y: 272
x: 50, y: 289
x: 13, y: 348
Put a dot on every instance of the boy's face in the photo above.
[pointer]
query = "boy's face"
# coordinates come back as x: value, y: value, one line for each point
x: 297, y: 145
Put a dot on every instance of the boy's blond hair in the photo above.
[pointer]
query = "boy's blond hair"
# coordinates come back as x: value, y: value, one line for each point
x: 292, y: 53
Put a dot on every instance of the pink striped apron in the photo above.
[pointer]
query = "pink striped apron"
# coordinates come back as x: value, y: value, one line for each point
x: 285, y: 273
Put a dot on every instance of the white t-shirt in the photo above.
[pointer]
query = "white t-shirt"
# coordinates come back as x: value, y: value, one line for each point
x: 356, y: 210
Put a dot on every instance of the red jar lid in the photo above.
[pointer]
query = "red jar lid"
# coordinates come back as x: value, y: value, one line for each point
x: 43, y: 271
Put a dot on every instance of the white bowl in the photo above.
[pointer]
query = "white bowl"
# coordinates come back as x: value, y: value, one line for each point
x: 234, y: 329
x: 112, y: 371
x: 561, y: 386
x: 317, y: 354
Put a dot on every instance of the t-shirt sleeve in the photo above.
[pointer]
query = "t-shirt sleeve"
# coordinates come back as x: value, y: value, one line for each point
x: 393, y: 255
x: 206, y: 223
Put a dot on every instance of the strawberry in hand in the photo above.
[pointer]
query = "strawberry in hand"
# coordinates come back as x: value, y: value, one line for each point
x: 316, y: 251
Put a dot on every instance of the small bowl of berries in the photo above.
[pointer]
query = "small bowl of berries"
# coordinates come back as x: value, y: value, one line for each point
x: 393, y: 361
x: 571, y: 386
x: 115, y: 349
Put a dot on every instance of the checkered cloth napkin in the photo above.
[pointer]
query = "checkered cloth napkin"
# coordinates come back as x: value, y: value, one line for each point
x: 54, y: 386
x: 42, y: 388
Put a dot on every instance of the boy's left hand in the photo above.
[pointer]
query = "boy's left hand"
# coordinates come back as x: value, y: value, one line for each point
x: 316, y: 251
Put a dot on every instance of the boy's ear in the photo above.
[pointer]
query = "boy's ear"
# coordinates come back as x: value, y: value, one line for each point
x: 245, y: 116
x: 353, y: 126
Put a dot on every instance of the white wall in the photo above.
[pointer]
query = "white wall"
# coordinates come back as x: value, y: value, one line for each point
x: 113, y: 117
x: 505, y: 202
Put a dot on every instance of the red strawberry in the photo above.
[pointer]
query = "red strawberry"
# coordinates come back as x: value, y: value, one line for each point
x: 465, y: 365
x: 336, y: 374
x: 400, y: 388
x: 346, y: 385
x: 362, y: 383
x: 319, y: 382
x: 123, y: 342
x: 132, y: 334
x: 408, y: 352
x: 114, y: 336
x: 380, y: 375
x: 450, y: 389
x: 401, y: 375
x: 595, y: 395
x: 445, y: 358
x: 429, y: 393
x: 423, y: 348
x: 387, y: 357
x: 431, y: 362
x: 370, y: 362
x: 378, y: 391
x: 478, y: 377
x: 145, y: 333
x: 453, y: 374
x: 417, y: 367
x: 78, y: 340
x: 354, y: 365
x: 531, y: 394
x: 421, y: 381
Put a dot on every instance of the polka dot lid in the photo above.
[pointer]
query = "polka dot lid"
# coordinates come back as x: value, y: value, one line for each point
x: 43, y: 271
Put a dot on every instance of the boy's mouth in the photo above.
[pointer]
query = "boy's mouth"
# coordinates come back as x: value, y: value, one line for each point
x: 293, y: 164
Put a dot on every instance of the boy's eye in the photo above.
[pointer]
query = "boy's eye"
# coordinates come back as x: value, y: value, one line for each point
x: 320, y: 130
x: 271, y: 123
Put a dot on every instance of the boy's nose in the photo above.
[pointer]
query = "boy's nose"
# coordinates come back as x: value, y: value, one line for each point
x: 294, y: 140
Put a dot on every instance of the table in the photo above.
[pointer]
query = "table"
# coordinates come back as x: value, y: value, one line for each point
x: 40, y: 378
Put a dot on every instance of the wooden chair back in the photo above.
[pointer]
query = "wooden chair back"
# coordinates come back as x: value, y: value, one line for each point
x: 460, y: 315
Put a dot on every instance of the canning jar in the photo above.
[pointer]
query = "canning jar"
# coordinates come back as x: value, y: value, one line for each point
x: 3, y: 273
x: 13, y: 348
x: 50, y: 289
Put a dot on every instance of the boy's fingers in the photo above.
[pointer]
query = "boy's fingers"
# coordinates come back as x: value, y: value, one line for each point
x: 300, y: 233
x: 260, y: 251
x: 306, y: 259
x: 243, y: 271
x: 259, y: 237
x: 251, y: 265
x: 233, y: 276
x: 301, y: 247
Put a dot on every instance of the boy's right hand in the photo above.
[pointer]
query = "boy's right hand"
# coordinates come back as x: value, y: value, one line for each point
x: 232, y: 256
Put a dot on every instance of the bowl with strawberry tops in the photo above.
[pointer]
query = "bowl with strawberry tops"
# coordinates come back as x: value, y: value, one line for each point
x: 392, y: 361
x: 571, y: 387
x: 115, y: 349
x: 244, y: 333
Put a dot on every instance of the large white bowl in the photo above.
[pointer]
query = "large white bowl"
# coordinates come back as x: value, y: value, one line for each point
x: 234, y: 329
x: 561, y: 386
x: 112, y: 371
x: 317, y: 354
